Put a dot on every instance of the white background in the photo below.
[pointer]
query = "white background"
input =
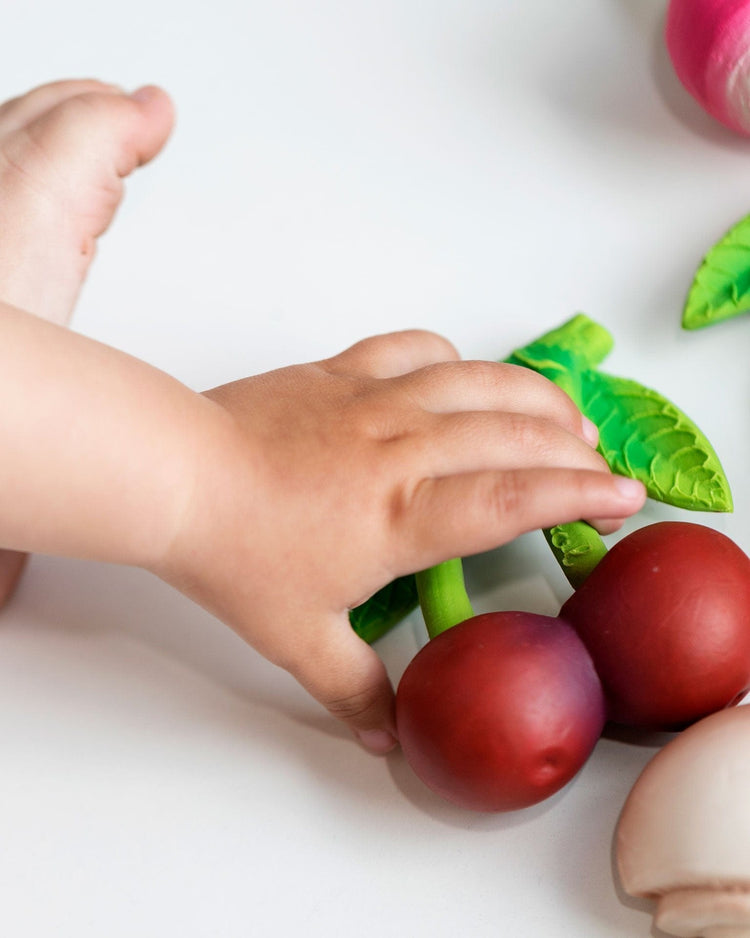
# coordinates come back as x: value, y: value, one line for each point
x: 485, y: 169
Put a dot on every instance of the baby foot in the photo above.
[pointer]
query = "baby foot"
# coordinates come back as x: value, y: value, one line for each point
x: 65, y: 149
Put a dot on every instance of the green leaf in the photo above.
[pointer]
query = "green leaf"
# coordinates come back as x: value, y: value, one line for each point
x: 721, y: 286
x: 643, y: 435
x: 385, y: 609
x: 556, y: 364
x: 561, y: 354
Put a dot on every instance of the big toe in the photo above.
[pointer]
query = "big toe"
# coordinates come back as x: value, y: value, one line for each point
x: 94, y: 132
x: 64, y: 150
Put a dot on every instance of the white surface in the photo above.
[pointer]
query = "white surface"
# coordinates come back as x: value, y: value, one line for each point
x: 485, y: 168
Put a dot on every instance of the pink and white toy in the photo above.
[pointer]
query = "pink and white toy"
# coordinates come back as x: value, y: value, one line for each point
x: 709, y: 44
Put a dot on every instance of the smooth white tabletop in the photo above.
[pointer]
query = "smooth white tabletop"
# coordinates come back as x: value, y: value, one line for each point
x: 485, y: 168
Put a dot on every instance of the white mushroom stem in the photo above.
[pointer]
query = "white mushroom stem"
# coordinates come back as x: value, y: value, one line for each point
x: 684, y: 832
x: 710, y: 913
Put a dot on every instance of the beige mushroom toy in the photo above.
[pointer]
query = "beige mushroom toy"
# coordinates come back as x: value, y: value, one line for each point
x: 684, y: 832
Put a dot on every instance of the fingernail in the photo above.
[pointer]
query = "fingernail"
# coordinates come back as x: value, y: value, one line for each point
x: 145, y: 94
x: 590, y: 432
x: 379, y: 742
x: 631, y: 489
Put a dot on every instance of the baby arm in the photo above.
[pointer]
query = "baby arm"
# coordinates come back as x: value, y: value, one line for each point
x: 281, y: 501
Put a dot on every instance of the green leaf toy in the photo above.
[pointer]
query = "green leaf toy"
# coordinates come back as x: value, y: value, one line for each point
x: 645, y: 436
x: 721, y: 286
x: 385, y: 609
x: 641, y: 434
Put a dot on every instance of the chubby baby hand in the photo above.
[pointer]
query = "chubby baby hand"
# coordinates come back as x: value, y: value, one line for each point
x: 325, y: 481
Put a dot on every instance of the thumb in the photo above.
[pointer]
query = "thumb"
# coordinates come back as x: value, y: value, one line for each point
x: 346, y: 675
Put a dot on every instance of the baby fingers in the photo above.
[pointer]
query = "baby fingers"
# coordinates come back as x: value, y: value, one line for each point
x: 460, y: 515
x: 348, y: 678
x: 479, y: 440
x: 449, y: 387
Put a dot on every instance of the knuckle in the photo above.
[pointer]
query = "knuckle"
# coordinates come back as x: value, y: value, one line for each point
x: 484, y: 375
x: 354, y: 706
x: 526, y: 378
x: 536, y: 437
x: 558, y: 398
x: 350, y: 359
x: 435, y: 377
x: 566, y: 409
x: 443, y: 347
x: 545, y: 442
x: 440, y: 345
x: 431, y: 344
x: 506, y: 497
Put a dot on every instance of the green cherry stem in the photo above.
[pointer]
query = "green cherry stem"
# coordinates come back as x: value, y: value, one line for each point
x: 577, y: 547
x: 443, y: 596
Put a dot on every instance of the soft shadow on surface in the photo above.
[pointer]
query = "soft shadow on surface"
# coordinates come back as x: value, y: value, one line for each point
x: 522, y: 575
x: 651, y: 739
x: 113, y: 651
x: 83, y: 635
x: 639, y: 739
x: 645, y: 906
x: 562, y: 70
x: 93, y: 604
x: 585, y: 871
x: 677, y: 99
x: 605, y: 84
x: 648, y: 20
x: 437, y: 808
x: 611, y: 86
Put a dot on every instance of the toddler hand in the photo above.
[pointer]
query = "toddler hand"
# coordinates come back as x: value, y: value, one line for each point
x: 323, y: 482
